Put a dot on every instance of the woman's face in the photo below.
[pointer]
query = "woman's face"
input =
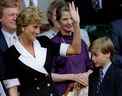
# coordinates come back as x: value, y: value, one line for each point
x: 66, y: 22
x: 30, y: 32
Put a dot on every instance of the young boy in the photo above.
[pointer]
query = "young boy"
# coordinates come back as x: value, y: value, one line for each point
x: 106, y: 80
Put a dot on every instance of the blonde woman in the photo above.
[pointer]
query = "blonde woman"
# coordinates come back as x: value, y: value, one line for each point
x: 30, y: 58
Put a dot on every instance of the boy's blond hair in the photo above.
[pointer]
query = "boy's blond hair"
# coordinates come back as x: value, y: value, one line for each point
x: 103, y: 44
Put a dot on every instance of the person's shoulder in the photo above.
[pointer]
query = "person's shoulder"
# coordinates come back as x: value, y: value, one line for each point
x: 50, y: 34
x: 42, y: 38
x: 12, y: 51
x: 117, y: 70
x: 1, y: 32
x: 44, y: 41
x: 84, y: 36
x: 1, y: 35
x: 94, y: 74
x: 11, y: 55
x: 117, y: 60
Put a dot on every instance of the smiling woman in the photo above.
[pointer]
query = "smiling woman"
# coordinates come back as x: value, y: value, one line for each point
x: 30, y: 58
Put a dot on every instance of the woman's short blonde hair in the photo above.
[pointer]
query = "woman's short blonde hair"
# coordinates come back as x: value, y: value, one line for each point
x: 29, y: 15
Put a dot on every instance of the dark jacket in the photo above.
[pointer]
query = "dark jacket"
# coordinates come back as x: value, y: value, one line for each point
x: 33, y: 82
x: 111, y: 83
x: 3, y: 47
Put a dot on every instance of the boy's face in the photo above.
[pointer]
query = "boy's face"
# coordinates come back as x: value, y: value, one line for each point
x: 99, y: 59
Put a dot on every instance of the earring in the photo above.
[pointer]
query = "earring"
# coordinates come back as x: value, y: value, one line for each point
x: 23, y: 29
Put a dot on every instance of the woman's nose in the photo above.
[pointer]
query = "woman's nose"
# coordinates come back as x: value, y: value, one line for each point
x: 70, y: 21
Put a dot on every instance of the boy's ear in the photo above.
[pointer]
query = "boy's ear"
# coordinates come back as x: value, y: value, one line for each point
x: 108, y: 55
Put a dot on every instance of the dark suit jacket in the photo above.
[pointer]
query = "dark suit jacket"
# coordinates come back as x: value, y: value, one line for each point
x: 33, y: 82
x: 111, y: 84
x: 3, y: 47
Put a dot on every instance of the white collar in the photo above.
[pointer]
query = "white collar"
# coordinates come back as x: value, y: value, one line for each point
x: 106, y: 67
x: 37, y: 62
x: 8, y: 34
x: 10, y: 37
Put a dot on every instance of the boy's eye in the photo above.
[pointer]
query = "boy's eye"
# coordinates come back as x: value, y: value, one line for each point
x: 95, y: 54
x: 36, y: 26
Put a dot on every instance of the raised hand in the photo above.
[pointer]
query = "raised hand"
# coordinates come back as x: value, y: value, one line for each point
x: 74, y: 12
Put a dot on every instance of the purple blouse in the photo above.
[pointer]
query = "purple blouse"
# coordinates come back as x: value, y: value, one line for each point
x: 70, y: 64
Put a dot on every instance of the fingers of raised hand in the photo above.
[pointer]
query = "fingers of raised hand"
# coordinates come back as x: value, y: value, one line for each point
x: 74, y: 12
